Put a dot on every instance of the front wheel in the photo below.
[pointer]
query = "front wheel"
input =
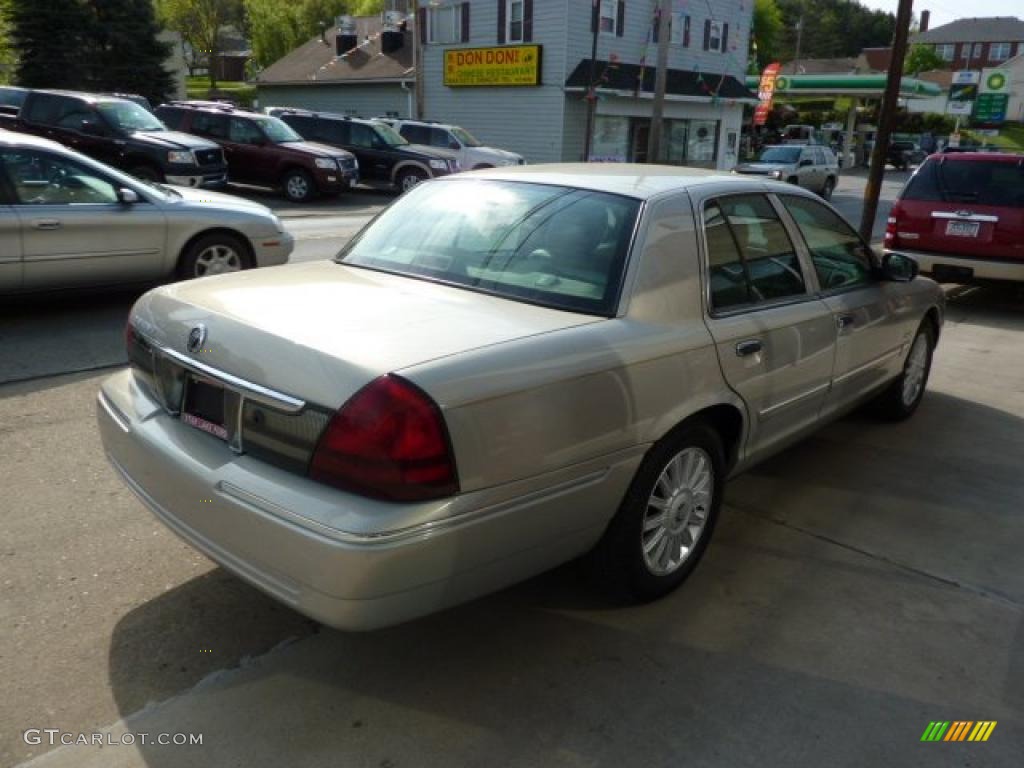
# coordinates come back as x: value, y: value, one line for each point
x: 828, y: 189
x: 667, y: 517
x: 904, y: 395
x: 410, y: 178
x: 214, y: 254
x: 298, y: 186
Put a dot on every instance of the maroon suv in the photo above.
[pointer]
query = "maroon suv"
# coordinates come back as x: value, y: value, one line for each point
x: 961, y: 217
x: 264, y: 151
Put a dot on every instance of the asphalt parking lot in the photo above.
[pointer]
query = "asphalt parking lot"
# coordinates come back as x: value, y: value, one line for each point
x: 861, y: 585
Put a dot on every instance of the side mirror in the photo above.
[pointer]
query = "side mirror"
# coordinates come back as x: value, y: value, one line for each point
x: 899, y: 268
x: 127, y: 196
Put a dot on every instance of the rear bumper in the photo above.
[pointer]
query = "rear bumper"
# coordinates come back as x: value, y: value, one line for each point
x: 273, y: 528
x: 964, y: 269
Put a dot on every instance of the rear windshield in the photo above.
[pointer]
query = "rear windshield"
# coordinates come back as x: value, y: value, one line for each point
x: 955, y: 180
x: 555, y: 246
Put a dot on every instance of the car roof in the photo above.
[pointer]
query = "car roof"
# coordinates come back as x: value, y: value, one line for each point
x: 988, y: 157
x: 93, y: 98
x: 326, y: 115
x: 629, y: 179
x: 15, y: 139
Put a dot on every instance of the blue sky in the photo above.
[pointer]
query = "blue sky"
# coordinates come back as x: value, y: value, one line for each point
x: 946, y: 11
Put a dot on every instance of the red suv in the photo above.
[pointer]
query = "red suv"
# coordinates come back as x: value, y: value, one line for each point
x: 961, y: 216
x: 264, y: 151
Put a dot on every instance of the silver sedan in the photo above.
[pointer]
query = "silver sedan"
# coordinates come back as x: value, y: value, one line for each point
x: 67, y: 221
x: 505, y: 370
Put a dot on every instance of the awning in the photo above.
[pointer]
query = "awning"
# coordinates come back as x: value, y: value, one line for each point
x: 680, y: 84
x: 848, y: 85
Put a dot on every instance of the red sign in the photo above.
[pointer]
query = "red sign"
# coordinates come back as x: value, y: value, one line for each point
x: 765, y: 92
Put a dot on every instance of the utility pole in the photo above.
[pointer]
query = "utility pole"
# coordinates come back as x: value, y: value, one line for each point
x: 886, y: 119
x: 595, y: 20
x: 660, y: 79
x: 799, y: 40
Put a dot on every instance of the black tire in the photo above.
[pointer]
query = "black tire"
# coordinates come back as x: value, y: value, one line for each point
x: 619, y: 558
x: 793, y: 180
x: 147, y: 173
x: 482, y: 167
x: 298, y: 186
x: 190, y: 264
x: 409, y: 178
x: 828, y: 189
x: 896, y: 403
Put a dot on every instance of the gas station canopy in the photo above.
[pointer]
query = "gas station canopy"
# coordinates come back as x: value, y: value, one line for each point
x: 867, y: 86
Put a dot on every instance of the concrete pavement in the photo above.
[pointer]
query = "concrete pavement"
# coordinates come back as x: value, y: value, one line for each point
x: 860, y: 585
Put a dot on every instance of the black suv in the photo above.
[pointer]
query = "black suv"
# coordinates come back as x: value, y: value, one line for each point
x: 385, y: 158
x: 119, y: 132
x: 264, y: 151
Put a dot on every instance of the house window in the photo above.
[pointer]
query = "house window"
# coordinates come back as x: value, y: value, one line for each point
x: 515, y: 21
x: 946, y: 51
x: 999, y: 51
x: 681, y: 29
x: 977, y: 51
x: 716, y: 35
x: 606, y: 23
x: 444, y: 24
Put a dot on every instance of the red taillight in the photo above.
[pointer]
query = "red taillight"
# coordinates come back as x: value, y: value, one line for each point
x: 389, y: 441
x: 892, y: 239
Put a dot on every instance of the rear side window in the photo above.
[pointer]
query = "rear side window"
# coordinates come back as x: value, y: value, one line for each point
x: 171, y: 117
x: 751, y: 259
x: 954, y: 180
x: 840, y: 257
x: 48, y: 108
x: 206, y: 124
x: 416, y: 134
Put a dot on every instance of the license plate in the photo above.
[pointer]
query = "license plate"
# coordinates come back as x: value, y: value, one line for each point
x: 204, y: 406
x: 962, y: 228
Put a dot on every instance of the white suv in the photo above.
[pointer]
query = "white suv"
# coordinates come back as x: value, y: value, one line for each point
x: 472, y: 154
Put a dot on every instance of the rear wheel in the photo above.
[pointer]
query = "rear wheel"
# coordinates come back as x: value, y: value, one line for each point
x: 298, y: 186
x: 667, y: 517
x: 793, y: 180
x: 214, y: 254
x: 904, y: 395
x: 828, y: 189
x: 409, y: 178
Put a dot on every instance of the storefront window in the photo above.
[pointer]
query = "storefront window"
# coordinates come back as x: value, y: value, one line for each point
x: 611, y: 139
x: 676, y: 132
x: 702, y: 142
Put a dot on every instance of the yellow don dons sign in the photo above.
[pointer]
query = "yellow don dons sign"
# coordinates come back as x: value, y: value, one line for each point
x: 506, y: 65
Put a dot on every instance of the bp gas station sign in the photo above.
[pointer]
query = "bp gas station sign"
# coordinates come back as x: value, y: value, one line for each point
x: 993, y: 96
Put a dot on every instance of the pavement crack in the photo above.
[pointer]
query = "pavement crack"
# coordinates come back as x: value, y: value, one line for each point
x: 945, y: 580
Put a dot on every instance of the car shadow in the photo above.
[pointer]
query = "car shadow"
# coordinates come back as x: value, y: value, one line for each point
x: 799, y: 621
x: 994, y: 305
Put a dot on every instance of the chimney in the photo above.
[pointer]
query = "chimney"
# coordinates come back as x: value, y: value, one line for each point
x: 925, y: 16
x: 347, y: 38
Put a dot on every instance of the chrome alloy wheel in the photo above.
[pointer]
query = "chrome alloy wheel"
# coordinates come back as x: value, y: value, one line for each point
x: 297, y: 187
x: 409, y: 181
x: 914, y: 372
x: 217, y: 260
x: 677, y: 511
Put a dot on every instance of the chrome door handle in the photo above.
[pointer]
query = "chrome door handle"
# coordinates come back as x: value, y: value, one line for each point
x: 844, y: 321
x: 749, y: 347
x: 46, y: 224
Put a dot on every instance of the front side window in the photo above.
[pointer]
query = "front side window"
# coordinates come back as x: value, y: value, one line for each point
x: 361, y: 136
x: 39, y: 178
x: 466, y: 138
x: 444, y: 24
x: 416, y: 134
x: 389, y: 136
x: 439, y: 138
x: 555, y: 246
x: 276, y: 130
x: 244, y: 131
x: 207, y: 124
x: 841, y: 260
x: 515, y: 21
x: 751, y: 259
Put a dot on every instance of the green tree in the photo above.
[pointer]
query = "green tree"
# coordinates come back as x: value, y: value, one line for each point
x: 832, y: 28
x: 125, y: 54
x: 8, y: 56
x: 767, y: 26
x: 922, y: 58
x: 199, y: 23
x: 52, y: 42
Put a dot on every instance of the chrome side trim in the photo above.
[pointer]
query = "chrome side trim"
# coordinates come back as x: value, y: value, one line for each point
x: 269, y: 397
x: 965, y: 216
x: 793, y: 400
x: 869, y: 364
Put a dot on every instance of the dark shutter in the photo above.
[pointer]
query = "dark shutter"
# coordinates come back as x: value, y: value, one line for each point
x: 725, y: 38
x: 465, y: 23
x: 502, y: 10
x: 421, y: 24
x: 707, y: 34
x: 620, y: 18
x: 686, y: 31
x: 527, y: 21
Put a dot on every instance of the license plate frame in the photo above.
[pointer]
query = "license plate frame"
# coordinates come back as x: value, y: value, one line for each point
x: 203, y: 406
x: 963, y: 228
